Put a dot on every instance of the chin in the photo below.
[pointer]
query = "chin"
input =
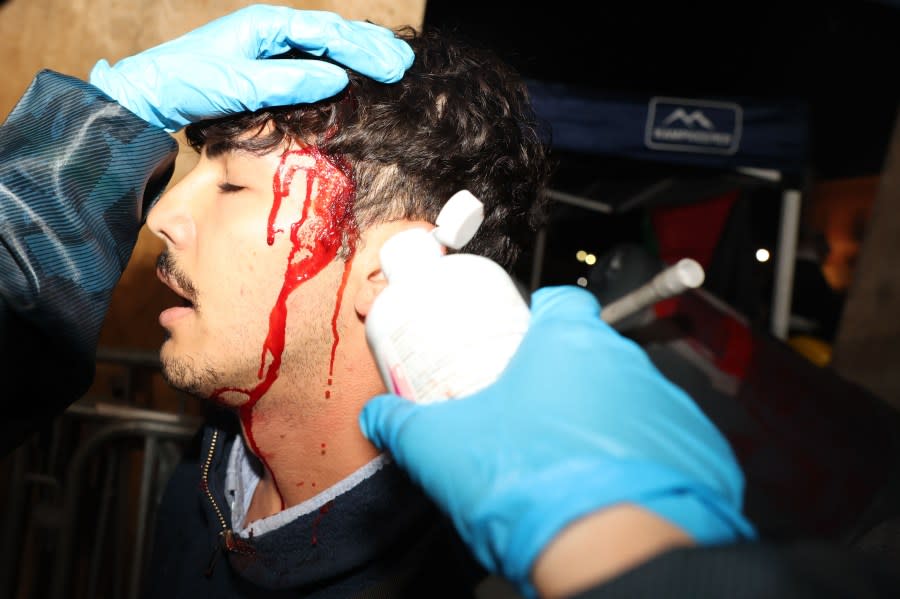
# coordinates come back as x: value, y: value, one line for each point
x: 184, y: 374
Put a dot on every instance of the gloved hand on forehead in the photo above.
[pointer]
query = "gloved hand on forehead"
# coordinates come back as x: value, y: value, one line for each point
x: 580, y: 420
x: 220, y: 68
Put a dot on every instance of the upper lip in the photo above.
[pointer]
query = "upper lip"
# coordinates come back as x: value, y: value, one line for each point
x: 168, y: 282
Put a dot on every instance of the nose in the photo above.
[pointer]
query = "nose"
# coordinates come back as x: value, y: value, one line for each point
x: 171, y: 219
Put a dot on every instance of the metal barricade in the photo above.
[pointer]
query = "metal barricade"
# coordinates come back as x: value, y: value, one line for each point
x: 55, y: 542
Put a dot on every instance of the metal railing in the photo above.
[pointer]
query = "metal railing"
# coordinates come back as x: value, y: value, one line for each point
x: 56, y: 544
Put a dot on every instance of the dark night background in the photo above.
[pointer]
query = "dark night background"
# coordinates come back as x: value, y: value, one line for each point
x: 837, y: 58
x: 812, y: 461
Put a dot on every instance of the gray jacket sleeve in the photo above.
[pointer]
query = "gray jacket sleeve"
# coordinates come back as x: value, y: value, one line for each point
x: 78, y: 173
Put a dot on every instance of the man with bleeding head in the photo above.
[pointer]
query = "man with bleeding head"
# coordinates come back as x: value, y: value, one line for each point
x: 272, y: 241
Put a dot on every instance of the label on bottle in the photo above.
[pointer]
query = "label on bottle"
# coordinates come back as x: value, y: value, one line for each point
x: 448, y: 333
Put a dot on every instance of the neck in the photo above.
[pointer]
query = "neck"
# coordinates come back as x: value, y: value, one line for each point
x: 304, y: 450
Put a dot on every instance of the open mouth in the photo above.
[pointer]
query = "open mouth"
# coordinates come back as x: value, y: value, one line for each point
x: 183, y: 297
x: 181, y: 307
x: 185, y: 303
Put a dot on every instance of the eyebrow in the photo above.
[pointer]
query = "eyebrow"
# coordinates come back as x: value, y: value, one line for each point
x: 217, y: 149
x: 240, y: 144
x: 221, y: 148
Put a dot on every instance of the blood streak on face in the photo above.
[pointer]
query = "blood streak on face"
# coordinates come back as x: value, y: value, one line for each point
x: 319, y: 241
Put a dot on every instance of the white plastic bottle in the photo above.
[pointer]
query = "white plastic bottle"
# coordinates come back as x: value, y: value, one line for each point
x: 445, y: 325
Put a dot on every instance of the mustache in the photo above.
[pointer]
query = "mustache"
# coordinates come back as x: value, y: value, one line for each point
x: 166, y: 265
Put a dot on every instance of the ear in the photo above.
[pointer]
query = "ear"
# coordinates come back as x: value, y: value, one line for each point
x: 371, y: 286
x: 368, y: 262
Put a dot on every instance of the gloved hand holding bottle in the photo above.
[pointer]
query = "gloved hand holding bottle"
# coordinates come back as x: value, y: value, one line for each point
x: 579, y: 421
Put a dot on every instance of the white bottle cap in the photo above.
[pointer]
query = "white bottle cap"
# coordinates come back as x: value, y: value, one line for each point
x: 413, y: 249
x: 459, y: 220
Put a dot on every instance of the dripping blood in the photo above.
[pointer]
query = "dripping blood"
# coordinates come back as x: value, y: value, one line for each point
x: 314, y: 244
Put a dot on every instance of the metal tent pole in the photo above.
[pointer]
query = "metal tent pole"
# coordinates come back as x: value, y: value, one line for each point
x: 785, y: 259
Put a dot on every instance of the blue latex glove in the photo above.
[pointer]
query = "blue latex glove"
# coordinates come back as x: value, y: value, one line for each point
x: 215, y: 70
x: 580, y: 419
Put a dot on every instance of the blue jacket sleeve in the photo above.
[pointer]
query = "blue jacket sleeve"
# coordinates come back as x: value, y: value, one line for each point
x: 78, y: 173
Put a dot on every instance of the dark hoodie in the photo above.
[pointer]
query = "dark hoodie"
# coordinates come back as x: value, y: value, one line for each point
x: 378, y: 538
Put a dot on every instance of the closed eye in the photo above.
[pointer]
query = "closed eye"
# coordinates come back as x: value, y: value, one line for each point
x: 229, y: 188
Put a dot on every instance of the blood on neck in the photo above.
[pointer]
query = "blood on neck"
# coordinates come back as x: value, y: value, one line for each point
x: 315, y: 243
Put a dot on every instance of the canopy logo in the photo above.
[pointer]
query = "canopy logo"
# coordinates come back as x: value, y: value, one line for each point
x: 684, y: 125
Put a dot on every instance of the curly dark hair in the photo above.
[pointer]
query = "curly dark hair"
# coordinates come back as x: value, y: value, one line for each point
x: 460, y: 118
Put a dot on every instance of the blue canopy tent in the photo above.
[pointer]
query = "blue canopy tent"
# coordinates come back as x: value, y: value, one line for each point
x: 739, y: 141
